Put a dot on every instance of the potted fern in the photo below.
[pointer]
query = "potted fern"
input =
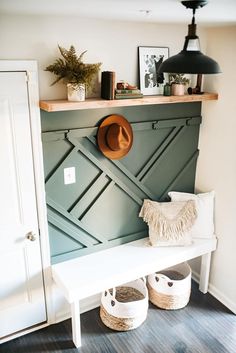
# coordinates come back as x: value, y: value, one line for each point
x: 178, y: 82
x: 73, y: 72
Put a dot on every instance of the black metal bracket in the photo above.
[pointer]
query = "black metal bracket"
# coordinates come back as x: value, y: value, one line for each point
x: 194, y: 4
x: 162, y: 124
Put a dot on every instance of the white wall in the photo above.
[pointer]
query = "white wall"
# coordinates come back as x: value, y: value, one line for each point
x: 216, y: 168
x: 115, y: 45
x: 110, y: 42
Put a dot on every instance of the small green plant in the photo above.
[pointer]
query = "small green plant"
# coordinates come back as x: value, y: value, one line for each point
x: 71, y: 69
x: 178, y: 79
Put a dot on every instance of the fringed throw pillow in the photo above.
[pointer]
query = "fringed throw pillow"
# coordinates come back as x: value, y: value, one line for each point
x: 169, y: 222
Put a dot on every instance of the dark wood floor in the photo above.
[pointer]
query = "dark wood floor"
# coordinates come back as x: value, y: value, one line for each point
x: 203, y: 326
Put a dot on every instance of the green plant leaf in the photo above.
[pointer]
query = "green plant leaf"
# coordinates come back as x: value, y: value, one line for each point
x: 71, y: 69
x: 178, y: 79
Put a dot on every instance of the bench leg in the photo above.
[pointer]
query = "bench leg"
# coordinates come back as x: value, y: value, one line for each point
x: 76, y: 330
x: 205, y: 271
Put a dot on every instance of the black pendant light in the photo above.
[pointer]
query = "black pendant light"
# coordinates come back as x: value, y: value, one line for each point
x: 190, y: 60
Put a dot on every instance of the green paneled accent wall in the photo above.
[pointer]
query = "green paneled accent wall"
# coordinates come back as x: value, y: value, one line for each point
x: 101, y: 208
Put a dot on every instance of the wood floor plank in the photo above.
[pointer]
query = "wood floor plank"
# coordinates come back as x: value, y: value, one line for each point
x: 203, y: 326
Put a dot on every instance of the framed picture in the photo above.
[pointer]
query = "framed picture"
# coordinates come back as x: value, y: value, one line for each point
x: 150, y: 58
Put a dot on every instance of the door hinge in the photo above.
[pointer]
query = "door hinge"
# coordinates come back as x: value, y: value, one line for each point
x: 27, y: 77
x: 30, y: 76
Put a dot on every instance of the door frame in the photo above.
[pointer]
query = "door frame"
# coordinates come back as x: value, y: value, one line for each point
x: 30, y: 67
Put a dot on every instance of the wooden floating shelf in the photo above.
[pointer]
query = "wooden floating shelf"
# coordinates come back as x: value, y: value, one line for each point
x: 96, y: 103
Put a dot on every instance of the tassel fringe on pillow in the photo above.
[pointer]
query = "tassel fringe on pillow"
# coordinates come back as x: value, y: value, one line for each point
x: 168, y: 221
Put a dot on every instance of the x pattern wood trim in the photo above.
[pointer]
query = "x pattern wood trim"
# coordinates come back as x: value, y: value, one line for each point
x: 112, y: 174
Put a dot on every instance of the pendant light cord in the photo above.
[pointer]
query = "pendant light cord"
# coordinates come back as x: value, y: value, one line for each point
x: 193, y: 18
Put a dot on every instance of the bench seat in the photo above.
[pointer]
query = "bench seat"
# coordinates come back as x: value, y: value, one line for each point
x: 91, y: 274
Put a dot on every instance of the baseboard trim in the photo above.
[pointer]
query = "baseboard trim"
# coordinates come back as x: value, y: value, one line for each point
x: 90, y: 303
x: 85, y: 305
x: 195, y: 276
x: 23, y: 332
x: 217, y: 294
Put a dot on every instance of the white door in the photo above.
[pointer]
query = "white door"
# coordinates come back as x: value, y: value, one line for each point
x: 22, y: 299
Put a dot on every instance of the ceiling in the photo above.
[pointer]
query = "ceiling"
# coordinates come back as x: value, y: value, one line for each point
x: 217, y: 12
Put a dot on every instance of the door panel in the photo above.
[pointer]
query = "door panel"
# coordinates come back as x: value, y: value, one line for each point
x: 14, y: 284
x: 11, y: 212
x: 21, y: 283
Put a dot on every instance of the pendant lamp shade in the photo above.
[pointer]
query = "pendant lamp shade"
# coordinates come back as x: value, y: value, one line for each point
x: 191, y: 60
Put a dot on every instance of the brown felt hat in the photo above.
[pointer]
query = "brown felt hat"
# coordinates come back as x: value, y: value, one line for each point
x: 115, y: 137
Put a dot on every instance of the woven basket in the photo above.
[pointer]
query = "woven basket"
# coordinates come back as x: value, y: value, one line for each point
x: 171, y: 288
x: 125, y: 308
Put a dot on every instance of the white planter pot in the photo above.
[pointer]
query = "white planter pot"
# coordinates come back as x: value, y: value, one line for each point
x: 177, y: 89
x: 76, y: 92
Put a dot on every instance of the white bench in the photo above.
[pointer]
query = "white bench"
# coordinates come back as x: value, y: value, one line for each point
x: 91, y: 274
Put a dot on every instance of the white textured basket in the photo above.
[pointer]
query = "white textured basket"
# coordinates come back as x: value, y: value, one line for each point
x: 170, y: 289
x: 129, y: 313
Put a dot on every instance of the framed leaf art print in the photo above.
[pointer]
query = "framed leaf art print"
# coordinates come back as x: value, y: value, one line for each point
x: 150, y: 58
